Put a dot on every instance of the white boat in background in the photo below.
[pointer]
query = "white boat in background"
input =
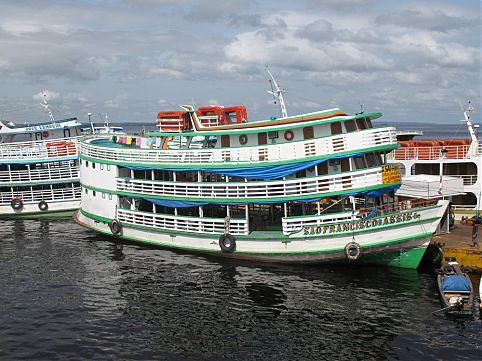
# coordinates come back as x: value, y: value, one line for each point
x: 39, y: 168
x: 461, y: 158
x: 104, y: 129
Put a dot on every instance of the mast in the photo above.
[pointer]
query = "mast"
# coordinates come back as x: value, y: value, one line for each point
x: 46, y: 105
x: 277, y: 93
x: 474, y: 145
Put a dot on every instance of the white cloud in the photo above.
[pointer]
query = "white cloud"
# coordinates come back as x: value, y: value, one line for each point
x: 49, y: 95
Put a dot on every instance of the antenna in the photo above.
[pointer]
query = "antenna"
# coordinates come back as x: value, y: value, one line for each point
x: 91, y: 124
x: 470, y: 125
x: 277, y: 93
x: 46, y: 105
x: 361, y: 109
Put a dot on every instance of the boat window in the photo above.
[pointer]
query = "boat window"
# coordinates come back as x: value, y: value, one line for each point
x: 335, y: 128
x: 322, y: 168
x: 262, y: 138
x: 345, y: 165
x: 361, y: 124
x: 378, y: 156
x: 350, y: 125
x: 371, y: 160
x: 369, y: 123
x: 225, y: 141
x: 308, y: 133
x: 300, y: 174
x: 359, y: 162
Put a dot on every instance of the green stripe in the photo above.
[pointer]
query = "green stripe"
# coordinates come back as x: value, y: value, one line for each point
x: 36, y: 160
x: 41, y: 182
x: 40, y: 214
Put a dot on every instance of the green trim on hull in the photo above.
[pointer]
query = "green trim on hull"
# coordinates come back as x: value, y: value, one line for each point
x: 406, y: 258
x: 64, y: 213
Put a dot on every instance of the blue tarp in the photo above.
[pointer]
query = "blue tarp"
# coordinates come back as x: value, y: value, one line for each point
x: 259, y: 173
x: 175, y: 204
x: 456, y: 283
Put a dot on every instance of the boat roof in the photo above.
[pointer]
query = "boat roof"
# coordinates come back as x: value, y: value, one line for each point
x: 9, y: 128
x: 275, y: 124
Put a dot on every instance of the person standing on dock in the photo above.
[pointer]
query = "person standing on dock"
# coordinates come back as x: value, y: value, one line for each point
x: 475, y: 229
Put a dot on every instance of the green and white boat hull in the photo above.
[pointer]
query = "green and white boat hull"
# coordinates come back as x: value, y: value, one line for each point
x: 399, y: 243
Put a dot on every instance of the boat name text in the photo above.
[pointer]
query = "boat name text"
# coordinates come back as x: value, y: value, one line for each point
x: 34, y: 128
x: 359, y: 225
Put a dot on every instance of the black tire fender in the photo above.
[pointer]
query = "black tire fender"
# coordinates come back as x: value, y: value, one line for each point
x: 352, y: 251
x: 16, y: 204
x: 227, y: 243
x: 115, y: 227
x: 43, y: 206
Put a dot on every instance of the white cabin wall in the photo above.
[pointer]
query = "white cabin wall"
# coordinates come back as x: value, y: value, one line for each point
x: 102, y: 204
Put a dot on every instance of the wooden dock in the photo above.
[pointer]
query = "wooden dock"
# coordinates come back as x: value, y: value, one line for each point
x: 458, y: 244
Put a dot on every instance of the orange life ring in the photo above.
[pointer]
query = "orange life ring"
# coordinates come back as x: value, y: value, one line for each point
x: 243, y: 139
x: 289, y: 135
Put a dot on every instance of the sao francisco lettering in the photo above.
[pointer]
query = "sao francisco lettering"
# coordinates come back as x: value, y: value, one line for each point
x: 359, y: 225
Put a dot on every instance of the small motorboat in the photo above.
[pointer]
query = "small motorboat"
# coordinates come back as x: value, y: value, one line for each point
x: 456, y: 291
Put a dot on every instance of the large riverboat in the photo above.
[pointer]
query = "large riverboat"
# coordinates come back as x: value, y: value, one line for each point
x: 310, y: 188
x: 39, y: 168
x: 456, y: 157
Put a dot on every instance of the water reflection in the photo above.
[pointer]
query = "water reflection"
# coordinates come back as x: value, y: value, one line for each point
x: 72, y: 294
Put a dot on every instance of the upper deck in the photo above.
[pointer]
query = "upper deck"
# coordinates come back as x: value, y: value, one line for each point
x: 39, y: 151
x: 101, y: 149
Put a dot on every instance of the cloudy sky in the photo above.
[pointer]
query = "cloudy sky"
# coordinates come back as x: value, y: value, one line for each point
x: 411, y: 60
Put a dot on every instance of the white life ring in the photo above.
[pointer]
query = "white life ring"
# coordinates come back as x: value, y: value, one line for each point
x: 352, y: 251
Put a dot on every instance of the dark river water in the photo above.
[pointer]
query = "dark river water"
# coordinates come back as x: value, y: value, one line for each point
x: 68, y: 294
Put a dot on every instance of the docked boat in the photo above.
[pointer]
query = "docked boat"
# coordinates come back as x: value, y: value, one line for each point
x: 310, y: 188
x: 456, y: 291
x: 106, y: 128
x: 461, y: 158
x: 39, y: 168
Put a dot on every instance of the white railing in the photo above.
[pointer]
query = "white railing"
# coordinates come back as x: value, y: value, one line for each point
x: 347, y: 142
x: 260, y: 189
x: 431, y: 153
x: 35, y: 196
x: 209, y: 120
x: 53, y: 148
x: 66, y: 173
x: 469, y: 179
x: 463, y: 207
x: 181, y: 223
x: 294, y: 224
